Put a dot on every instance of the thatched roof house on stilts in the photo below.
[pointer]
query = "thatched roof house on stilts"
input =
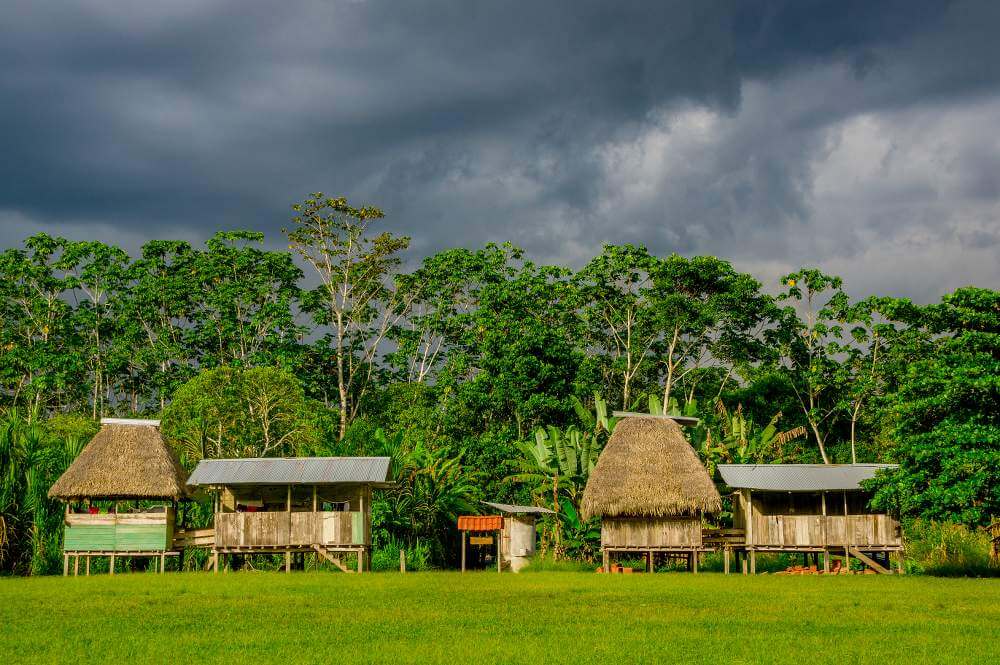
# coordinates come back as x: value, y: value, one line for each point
x: 650, y: 490
x: 127, y: 460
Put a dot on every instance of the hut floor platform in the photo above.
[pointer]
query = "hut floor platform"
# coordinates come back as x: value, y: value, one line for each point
x: 112, y: 555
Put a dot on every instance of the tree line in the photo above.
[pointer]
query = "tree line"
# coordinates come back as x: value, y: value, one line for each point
x: 333, y: 346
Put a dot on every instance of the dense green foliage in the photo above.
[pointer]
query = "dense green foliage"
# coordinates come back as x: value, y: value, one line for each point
x: 544, y: 617
x: 455, y: 366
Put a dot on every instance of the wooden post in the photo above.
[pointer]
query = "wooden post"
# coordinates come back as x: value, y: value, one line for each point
x: 314, y: 498
x: 76, y: 565
x: 402, y: 560
x: 163, y: 563
x: 215, y: 561
x: 649, y: 561
x: 753, y: 562
x: 288, y: 561
x: 823, y: 503
x: 65, y: 564
x: 361, y: 558
x: 743, y: 563
x: 463, y: 551
x: 288, y: 506
x: 826, y: 560
x: 88, y: 565
x: 694, y: 562
x: 725, y: 560
x: 899, y: 563
x: 605, y: 560
x: 749, y: 514
x: 111, y: 566
x: 499, y: 556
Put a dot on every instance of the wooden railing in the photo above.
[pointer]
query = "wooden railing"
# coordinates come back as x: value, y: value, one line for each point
x: 276, y: 529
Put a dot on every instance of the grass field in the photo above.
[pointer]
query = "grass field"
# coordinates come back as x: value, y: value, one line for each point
x: 485, y: 617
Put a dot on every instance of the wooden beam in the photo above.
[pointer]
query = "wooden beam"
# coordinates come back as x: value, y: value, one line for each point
x: 868, y: 561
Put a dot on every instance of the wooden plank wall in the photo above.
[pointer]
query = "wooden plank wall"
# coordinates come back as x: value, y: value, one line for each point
x: 274, y: 529
x: 650, y: 532
x: 771, y: 528
x: 121, y: 532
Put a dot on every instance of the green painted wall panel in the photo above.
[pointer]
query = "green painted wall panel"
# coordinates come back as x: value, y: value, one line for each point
x: 357, y: 528
x: 141, y: 537
x: 89, y: 537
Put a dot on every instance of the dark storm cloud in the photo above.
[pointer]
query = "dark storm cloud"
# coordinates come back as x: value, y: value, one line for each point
x: 694, y: 126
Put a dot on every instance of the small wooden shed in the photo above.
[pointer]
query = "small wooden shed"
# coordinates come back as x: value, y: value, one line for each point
x: 127, y: 460
x: 293, y: 505
x: 811, y: 508
x: 518, y: 536
x: 650, y: 490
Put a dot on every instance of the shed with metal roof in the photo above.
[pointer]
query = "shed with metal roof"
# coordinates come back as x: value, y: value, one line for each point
x: 813, y: 509
x: 293, y: 505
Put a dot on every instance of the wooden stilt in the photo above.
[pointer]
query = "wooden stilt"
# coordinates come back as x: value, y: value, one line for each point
x: 163, y: 563
x: 826, y: 561
x: 605, y: 561
x: 694, y: 561
x: 744, y: 567
x: 215, y: 561
x: 463, y: 551
x: 87, y: 573
x: 361, y: 559
x: 649, y: 561
x: 65, y: 564
x: 76, y: 566
x: 753, y: 562
x: 725, y: 560
x: 499, y: 555
x: 111, y: 565
x: 288, y: 562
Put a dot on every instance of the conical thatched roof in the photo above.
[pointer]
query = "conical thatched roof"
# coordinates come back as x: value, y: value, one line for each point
x: 648, y: 469
x: 123, y: 461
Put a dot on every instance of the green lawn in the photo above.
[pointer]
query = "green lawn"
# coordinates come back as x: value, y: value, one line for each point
x: 485, y: 617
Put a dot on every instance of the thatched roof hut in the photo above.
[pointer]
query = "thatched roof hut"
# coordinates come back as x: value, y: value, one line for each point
x: 126, y: 460
x: 648, y: 469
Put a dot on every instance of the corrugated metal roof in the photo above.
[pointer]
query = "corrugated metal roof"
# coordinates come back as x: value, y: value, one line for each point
x: 798, y: 477
x: 518, y: 510
x: 291, y: 471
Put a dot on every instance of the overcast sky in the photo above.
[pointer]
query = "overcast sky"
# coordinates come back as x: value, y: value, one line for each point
x: 861, y: 137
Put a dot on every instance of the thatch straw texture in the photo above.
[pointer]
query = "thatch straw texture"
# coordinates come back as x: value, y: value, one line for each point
x: 648, y: 469
x: 123, y: 462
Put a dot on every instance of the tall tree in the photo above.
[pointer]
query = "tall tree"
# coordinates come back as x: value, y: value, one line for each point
x: 620, y: 318
x: 709, y: 316
x: 356, y: 297
x: 811, y: 341
x: 945, y: 413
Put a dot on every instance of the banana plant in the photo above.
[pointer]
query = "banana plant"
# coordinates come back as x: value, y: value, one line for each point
x: 742, y: 443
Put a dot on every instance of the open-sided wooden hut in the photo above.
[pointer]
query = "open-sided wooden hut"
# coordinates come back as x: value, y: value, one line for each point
x: 650, y: 490
x: 293, y: 505
x: 811, y: 508
x: 127, y: 460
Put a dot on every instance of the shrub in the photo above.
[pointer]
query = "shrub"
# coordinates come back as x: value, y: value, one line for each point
x: 543, y: 563
x: 386, y: 557
x: 947, y: 549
